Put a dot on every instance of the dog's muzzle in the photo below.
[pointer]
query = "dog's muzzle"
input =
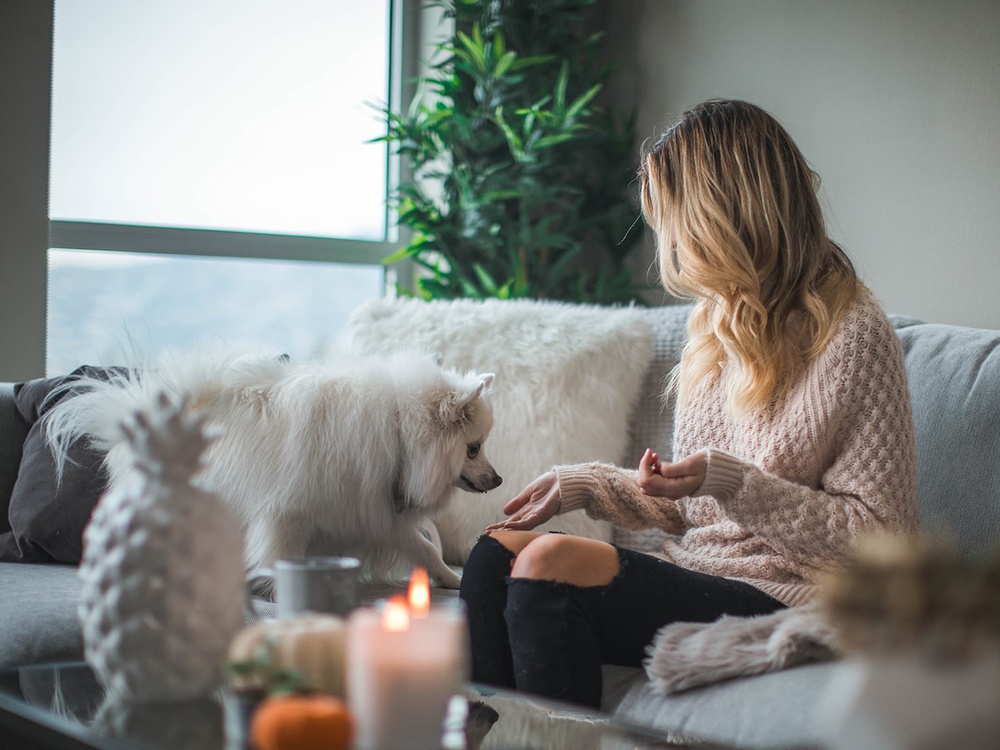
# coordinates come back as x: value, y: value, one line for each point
x: 491, y: 482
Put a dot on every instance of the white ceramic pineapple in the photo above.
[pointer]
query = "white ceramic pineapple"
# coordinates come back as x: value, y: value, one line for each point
x: 162, y: 570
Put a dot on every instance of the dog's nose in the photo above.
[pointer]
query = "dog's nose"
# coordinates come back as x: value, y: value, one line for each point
x: 497, y: 479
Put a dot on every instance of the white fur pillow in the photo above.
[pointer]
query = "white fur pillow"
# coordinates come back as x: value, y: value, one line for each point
x: 567, y: 378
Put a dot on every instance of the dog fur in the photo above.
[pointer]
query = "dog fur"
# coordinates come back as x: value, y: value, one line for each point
x: 350, y: 456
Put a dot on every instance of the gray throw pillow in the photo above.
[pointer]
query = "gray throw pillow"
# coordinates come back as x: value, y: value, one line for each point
x: 954, y: 375
x: 47, y: 516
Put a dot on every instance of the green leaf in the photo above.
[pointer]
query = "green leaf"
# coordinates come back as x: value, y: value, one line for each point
x: 428, y: 264
x: 504, y: 64
x: 563, y: 263
x: 500, y: 47
x: 469, y: 288
x: 561, y: 83
x: 474, y: 49
x: 530, y: 62
x: 491, y: 196
x: 402, y: 254
x: 580, y: 102
x: 485, y: 280
x: 553, y: 140
x: 529, y: 121
x: 515, y: 144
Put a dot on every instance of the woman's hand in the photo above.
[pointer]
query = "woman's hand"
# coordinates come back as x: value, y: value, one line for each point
x: 535, y: 505
x: 673, y: 481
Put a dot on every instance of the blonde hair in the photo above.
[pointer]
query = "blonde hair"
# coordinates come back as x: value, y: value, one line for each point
x: 739, y: 227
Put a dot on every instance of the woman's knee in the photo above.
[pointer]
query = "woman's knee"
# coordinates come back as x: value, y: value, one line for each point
x: 490, y: 560
x: 513, y: 540
x: 567, y: 559
x: 488, y: 565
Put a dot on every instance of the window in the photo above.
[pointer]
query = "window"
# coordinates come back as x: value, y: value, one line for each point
x: 212, y: 176
x: 114, y: 307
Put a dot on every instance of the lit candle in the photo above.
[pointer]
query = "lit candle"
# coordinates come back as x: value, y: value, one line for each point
x: 419, y: 593
x: 405, y: 661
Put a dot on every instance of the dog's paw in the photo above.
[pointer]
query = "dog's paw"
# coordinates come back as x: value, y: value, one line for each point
x: 480, y: 722
x: 448, y: 579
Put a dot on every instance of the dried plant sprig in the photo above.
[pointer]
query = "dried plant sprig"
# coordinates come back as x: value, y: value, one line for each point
x: 914, y: 595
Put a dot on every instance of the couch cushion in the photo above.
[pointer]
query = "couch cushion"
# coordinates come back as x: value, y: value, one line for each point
x: 47, y: 513
x: 954, y: 376
x: 764, y: 711
x: 567, y: 379
x: 38, y: 620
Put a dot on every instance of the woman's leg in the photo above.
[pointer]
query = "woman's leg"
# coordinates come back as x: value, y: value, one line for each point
x: 484, y: 591
x: 555, y: 650
x: 651, y: 592
x: 573, y: 604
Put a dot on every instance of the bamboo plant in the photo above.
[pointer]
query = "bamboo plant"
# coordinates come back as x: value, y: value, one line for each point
x: 522, y: 183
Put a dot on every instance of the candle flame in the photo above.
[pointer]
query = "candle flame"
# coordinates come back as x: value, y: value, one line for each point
x: 396, y: 616
x: 420, y: 593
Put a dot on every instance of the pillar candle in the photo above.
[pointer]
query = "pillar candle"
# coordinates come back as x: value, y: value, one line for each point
x: 403, y: 667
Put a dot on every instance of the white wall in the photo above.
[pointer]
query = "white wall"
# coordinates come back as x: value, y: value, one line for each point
x: 895, y: 103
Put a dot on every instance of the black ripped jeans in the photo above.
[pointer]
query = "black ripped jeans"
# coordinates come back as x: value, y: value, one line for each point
x: 551, y: 638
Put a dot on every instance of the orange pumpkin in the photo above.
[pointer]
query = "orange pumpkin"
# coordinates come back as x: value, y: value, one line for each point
x: 302, y: 722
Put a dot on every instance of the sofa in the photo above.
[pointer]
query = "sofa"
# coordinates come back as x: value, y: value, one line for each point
x: 954, y: 379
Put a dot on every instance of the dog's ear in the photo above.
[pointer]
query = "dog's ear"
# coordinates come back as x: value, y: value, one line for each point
x: 456, y: 406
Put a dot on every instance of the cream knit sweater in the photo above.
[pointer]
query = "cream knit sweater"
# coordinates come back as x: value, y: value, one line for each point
x: 785, y: 496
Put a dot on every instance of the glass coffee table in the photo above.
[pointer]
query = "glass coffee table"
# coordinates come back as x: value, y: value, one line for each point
x: 63, y: 707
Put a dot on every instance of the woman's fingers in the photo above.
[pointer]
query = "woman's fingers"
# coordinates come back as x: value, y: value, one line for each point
x: 673, y: 488
x: 694, y: 465
x: 541, y: 485
x: 678, y: 479
x: 533, y: 506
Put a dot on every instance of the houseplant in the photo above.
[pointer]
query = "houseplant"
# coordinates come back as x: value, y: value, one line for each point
x: 519, y: 178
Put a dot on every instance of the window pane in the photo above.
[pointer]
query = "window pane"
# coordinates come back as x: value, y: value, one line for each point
x: 233, y: 114
x: 106, y: 307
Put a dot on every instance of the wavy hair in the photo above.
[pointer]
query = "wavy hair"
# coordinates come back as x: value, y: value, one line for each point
x: 739, y: 228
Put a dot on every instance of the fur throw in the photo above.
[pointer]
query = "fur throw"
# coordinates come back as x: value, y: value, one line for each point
x: 685, y: 655
x: 567, y: 379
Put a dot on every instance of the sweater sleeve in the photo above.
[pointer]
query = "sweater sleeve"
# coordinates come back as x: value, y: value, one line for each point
x: 611, y: 493
x: 870, y: 483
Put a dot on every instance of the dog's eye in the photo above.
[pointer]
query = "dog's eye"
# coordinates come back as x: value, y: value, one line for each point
x: 473, y: 450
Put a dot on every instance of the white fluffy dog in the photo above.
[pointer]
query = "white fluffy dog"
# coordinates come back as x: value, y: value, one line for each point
x: 350, y: 456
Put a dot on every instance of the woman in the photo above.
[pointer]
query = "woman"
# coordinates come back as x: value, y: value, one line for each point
x: 793, y: 436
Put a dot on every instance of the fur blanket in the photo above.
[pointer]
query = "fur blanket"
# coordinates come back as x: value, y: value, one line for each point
x: 685, y: 655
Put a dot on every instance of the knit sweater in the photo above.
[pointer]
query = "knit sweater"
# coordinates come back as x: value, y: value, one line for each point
x: 789, y: 491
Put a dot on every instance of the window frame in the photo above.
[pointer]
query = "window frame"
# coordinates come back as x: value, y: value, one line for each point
x: 24, y: 277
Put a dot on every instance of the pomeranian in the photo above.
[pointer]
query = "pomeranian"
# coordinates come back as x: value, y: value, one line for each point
x: 347, y: 456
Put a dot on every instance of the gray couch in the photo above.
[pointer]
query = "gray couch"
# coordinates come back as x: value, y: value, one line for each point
x: 954, y: 377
